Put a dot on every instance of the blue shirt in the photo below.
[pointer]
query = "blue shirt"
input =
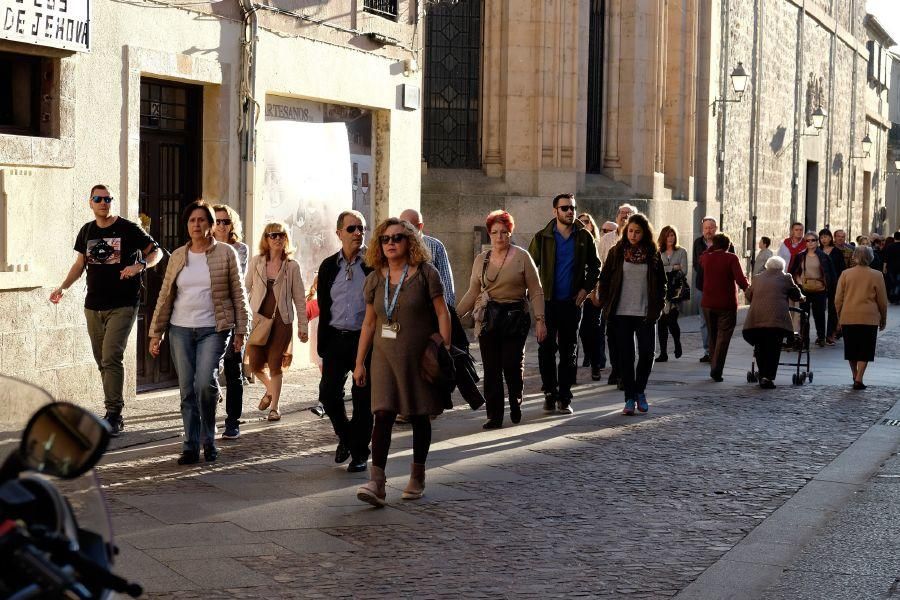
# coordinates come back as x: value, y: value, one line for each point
x: 564, y: 269
x: 441, y: 262
x: 348, y: 307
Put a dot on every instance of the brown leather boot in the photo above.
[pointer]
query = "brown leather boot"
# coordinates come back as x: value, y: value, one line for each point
x: 415, y: 489
x: 373, y: 492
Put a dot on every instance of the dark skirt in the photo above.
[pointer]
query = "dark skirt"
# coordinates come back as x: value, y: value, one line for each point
x: 859, y: 342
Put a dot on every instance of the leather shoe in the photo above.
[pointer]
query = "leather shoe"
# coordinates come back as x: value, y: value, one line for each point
x: 210, y: 453
x: 595, y: 374
x: 492, y: 425
x: 549, y: 403
x: 662, y: 358
x: 341, y: 454
x: 357, y: 465
x: 705, y: 358
x: 189, y: 458
x: 515, y: 411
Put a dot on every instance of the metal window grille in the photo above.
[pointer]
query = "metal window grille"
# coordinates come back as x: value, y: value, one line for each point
x: 452, y: 85
x: 382, y: 8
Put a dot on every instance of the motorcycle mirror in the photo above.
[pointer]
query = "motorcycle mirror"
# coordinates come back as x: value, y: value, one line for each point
x: 63, y: 440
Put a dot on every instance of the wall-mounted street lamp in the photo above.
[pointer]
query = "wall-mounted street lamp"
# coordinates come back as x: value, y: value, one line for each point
x: 818, y: 122
x: 739, y: 80
x: 866, y: 145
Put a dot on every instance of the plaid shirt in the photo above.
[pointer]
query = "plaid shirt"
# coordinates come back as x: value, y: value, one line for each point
x: 441, y: 262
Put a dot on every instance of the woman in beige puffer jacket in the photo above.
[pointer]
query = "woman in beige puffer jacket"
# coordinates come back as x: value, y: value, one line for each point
x: 201, y: 301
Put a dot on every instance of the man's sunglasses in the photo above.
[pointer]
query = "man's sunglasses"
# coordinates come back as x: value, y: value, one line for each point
x: 396, y: 238
x: 274, y: 235
x: 566, y: 207
x: 355, y: 228
x: 99, y: 199
x: 223, y: 221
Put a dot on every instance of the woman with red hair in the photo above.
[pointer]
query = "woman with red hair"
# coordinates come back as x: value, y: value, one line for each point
x: 504, y: 281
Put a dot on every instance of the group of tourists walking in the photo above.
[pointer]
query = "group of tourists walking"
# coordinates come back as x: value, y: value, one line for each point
x: 388, y: 318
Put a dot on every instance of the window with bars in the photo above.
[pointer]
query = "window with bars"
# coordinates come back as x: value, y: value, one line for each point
x: 382, y: 8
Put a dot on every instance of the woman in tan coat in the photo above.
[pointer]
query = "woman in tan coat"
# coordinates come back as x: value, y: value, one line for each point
x: 201, y: 301
x: 276, y: 290
x: 504, y: 281
x: 861, y: 303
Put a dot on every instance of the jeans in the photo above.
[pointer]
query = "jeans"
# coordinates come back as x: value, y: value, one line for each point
x: 234, y: 385
x: 625, y: 329
x: 593, y: 338
x: 196, y: 352
x: 109, y: 331
x: 721, y: 327
x: 818, y: 303
x: 503, y: 357
x: 704, y: 331
x: 562, y: 318
x: 339, y: 360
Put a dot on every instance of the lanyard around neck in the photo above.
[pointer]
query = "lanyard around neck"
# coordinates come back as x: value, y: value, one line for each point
x: 390, y: 306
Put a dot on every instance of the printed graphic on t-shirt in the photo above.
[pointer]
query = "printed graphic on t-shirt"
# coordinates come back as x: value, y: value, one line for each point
x: 104, y: 251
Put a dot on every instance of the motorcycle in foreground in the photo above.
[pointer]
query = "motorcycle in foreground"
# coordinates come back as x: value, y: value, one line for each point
x: 55, y: 533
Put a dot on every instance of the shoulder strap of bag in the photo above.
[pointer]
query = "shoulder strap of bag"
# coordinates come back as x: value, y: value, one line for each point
x: 487, y: 259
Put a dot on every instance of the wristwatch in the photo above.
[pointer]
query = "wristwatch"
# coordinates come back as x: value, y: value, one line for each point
x: 143, y: 262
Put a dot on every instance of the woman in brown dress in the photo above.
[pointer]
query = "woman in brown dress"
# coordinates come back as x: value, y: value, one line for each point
x: 404, y: 307
x: 276, y: 290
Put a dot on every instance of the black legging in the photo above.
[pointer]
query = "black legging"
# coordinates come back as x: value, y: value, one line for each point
x: 381, y: 437
x: 668, y: 323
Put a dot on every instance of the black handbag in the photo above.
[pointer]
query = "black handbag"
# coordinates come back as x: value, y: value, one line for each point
x: 509, y: 319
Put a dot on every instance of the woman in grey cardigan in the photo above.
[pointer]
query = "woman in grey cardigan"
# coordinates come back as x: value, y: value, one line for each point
x: 769, y: 320
x: 675, y: 263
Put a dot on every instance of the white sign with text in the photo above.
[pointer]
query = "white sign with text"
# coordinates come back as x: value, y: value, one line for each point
x: 55, y: 23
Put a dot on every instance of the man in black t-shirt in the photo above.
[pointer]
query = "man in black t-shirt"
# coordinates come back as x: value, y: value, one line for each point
x: 110, y: 248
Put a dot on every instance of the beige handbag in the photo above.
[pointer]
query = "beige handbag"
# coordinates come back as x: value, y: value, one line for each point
x: 262, y: 327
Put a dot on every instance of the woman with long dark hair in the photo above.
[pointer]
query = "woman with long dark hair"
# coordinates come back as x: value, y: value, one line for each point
x: 675, y: 262
x: 631, y: 293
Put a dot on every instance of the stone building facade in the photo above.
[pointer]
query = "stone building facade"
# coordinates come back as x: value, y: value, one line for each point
x: 634, y: 101
x: 892, y: 183
x: 179, y: 100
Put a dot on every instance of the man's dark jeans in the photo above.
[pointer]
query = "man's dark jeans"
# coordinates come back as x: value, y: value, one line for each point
x: 234, y: 385
x: 338, y: 362
x: 625, y: 329
x: 562, y: 319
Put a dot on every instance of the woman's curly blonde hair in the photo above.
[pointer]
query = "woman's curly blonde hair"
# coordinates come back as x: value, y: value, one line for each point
x: 417, y: 254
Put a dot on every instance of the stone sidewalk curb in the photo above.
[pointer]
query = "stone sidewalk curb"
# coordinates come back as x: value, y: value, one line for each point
x: 757, y: 562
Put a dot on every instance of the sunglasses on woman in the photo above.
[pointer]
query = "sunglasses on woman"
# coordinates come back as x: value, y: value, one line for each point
x: 275, y: 235
x: 811, y: 240
x: 223, y: 221
x: 396, y: 238
x: 99, y: 199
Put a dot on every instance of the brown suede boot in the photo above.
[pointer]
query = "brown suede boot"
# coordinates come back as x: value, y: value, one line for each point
x: 373, y: 492
x: 415, y: 489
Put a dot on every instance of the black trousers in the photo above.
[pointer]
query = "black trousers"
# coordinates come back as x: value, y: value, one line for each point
x: 626, y: 330
x: 338, y: 362
x: 766, y: 342
x: 818, y: 303
x: 668, y: 323
x: 381, y: 437
x: 592, y: 334
x: 234, y: 385
x: 562, y: 318
x: 503, y: 358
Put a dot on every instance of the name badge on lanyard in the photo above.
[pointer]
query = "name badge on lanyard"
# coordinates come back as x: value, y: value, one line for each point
x: 390, y: 329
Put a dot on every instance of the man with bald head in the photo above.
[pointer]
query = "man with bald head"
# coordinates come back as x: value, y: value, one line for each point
x: 441, y: 262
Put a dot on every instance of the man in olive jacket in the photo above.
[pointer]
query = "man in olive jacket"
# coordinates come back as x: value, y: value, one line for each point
x: 567, y: 262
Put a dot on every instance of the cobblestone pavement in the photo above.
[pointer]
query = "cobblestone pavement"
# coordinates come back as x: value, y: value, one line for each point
x: 594, y: 505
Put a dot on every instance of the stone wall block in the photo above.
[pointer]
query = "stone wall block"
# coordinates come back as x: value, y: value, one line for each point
x: 17, y: 352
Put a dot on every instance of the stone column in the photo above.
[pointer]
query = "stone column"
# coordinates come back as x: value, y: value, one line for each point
x: 492, y: 79
x: 613, y: 34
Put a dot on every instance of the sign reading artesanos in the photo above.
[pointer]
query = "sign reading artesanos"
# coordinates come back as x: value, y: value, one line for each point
x: 55, y: 23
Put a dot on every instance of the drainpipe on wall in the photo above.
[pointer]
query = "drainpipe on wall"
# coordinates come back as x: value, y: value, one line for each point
x: 798, y: 91
x: 248, y: 112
